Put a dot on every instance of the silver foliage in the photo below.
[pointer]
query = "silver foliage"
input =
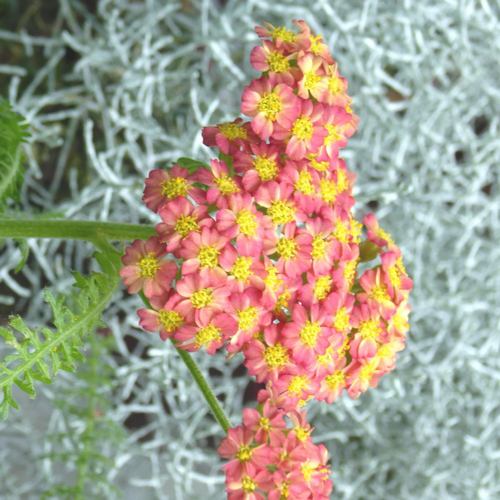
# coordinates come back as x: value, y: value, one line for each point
x: 146, y: 77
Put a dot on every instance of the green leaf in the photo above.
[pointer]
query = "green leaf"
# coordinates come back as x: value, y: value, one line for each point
x: 36, y: 352
x: 228, y: 160
x: 12, y: 134
x: 191, y: 165
x: 25, y: 251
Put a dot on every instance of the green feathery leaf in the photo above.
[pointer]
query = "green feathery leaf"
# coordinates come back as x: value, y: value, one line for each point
x: 12, y: 133
x: 39, y: 353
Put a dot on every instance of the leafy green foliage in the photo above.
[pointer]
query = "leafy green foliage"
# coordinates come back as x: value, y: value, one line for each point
x: 40, y: 353
x: 12, y: 134
x: 88, y: 429
x: 191, y: 165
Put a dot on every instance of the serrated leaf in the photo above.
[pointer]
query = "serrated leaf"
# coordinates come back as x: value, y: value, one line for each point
x: 12, y: 134
x: 25, y: 251
x: 191, y: 165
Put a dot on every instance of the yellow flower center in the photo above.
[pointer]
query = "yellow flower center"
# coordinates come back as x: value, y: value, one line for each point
x: 303, y: 128
x: 185, y: 224
x: 342, y: 232
x: 248, y: 484
x: 333, y: 381
x: 320, y: 166
x: 281, y: 212
x: 207, y: 335
x: 301, y: 433
x: 344, y: 347
x: 149, y: 265
x: 233, y: 131
x: 282, y: 301
x: 350, y: 271
x: 171, y: 320
x: 226, y: 185
x: 277, y: 62
x: 244, y: 454
x: 342, y: 182
x: 355, y: 230
x: 394, y: 276
x: 325, y: 359
x: 264, y: 423
x: 335, y: 85
x: 369, y: 329
x: 178, y: 186
x: 241, y: 268
x: 319, y: 247
x: 266, y: 168
x: 399, y: 263
x: 322, y: 287
x: 209, y: 256
x: 283, y: 34
x: 328, y: 190
x: 366, y: 373
x: 307, y: 471
x: 384, y: 235
x: 276, y: 356
x: 399, y: 322
x: 333, y: 134
x: 309, y: 334
x: 287, y: 248
x: 247, y: 318
x: 341, y: 320
x: 379, y: 292
x: 385, y: 351
x: 247, y: 222
x: 304, y: 184
x: 298, y: 384
x: 315, y: 47
x: 272, y: 280
x: 270, y: 105
x: 201, y: 298
x: 311, y: 80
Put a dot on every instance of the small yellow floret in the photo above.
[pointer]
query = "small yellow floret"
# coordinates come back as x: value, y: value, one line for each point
x: 185, y: 224
x: 319, y: 247
x: 379, y: 293
x: 266, y: 168
x: 171, y: 320
x: 341, y: 232
x: 311, y: 80
x: 247, y: 318
x: 287, y: 248
x: 149, y: 265
x: 272, y: 280
x: 241, y: 269
x: 201, y: 298
x: 281, y: 212
x: 303, y: 128
x: 244, y: 454
x: 298, y: 384
x: 248, y: 484
x: 370, y: 329
x: 309, y: 334
x: 307, y: 471
x: 283, y: 34
x: 333, y: 134
x: 271, y: 105
x: 207, y: 335
x: 233, y: 131
x: 247, y: 222
x: 282, y: 301
x: 276, y: 356
x: 178, y: 186
x: 366, y: 373
x: 333, y: 381
x: 209, y: 256
x: 328, y: 190
x: 226, y: 185
x: 335, y: 85
x: 322, y: 287
x: 304, y: 184
x: 341, y: 320
x: 315, y: 47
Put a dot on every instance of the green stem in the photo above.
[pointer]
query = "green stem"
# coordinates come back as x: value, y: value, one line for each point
x: 201, y: 381
x: 74, y: 229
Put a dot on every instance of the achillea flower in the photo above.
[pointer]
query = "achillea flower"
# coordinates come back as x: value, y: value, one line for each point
x: 145, y: 269
x: 229, y: 137
x: 221, y: 186
x: 268, y: 105
x: 163, y: 186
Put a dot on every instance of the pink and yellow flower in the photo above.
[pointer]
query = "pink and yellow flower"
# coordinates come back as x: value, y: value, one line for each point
x: 229, y: 137
x: 313, y: 79
x: 284, y: 38
x: 243, y: 271
x: 180, y: 217
x: 368, y: 333
x: 202, y: 251
x: 210, y: 331
x: 317, y: 47
x: 267, y: 425
x: 242, y: 221
x: 145, y: 269
x: 306, y: 134
x: 375, y: 233
x: 163, y: 186
x: 221, y: 186
x: 339, y: 126
x: 279, y: 201
x: 269, y: 107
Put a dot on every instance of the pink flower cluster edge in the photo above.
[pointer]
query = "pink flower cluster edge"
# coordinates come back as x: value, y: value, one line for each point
x: 265, y: 252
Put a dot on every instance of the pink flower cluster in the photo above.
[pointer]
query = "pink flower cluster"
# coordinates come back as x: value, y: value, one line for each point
x: 264, y: 254
x: 280, y: 461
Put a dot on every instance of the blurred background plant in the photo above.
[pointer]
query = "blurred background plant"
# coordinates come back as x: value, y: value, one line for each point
x: 114, y: 88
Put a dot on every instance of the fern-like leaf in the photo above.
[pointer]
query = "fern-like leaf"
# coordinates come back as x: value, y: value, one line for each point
x: 39, y: 353
x: 12, y: 133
